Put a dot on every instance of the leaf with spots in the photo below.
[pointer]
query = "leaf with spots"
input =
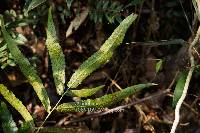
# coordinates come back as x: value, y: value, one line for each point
x: 103, y: 55
x: 56, y: 55
x: 85, y: 92
x: 102, y: 102
x: 17, y: 104
x: 27, y: 69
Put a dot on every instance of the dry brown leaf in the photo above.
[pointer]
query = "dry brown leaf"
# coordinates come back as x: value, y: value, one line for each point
x: 76, y: 22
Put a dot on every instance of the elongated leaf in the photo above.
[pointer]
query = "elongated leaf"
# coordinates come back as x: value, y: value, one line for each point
x: 179, y: 87
x: 27, y: 69
x: 102, y: 102
x: 103, y: 55
x: 17, y: 104
x: 86, y: 92
x: 56, y: 55
x: 31, y: 4
x: 159, y: 65
x: 8, y: 124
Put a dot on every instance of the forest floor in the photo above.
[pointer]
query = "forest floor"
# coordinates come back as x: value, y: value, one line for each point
x: 162, y: 32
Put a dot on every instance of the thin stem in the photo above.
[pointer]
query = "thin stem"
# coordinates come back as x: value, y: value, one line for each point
x: 51, y: 111
x: 187, y: 82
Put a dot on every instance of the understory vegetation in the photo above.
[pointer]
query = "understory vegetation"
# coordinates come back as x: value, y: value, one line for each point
x: 99, y: 66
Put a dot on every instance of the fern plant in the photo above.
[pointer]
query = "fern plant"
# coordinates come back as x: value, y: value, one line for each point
x: 11, y: 21
x: 102, y: 56
x: 108, y: 9
x: 23, y: 63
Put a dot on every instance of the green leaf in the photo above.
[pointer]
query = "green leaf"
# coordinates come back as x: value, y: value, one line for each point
x: 159, y: 65
x: 27, y: 69
x: 8, y: 124
x: 31, y: 4
x: 103, y: 55
x: 56, y: 55
x: 17, y: 104
x: 179, y: 87
x: 86, y: 92
x: 102, y: 102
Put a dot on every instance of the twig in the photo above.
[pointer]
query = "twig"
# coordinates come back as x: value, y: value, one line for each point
x: 189, y: 76
x: 186, y: 17
x: 162, y: 42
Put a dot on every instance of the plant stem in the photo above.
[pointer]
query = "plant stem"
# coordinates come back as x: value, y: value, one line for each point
x: 51, y: 111
x: 187, y: 82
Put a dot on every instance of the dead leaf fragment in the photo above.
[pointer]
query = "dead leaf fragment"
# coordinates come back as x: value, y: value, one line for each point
x: 76, y: 22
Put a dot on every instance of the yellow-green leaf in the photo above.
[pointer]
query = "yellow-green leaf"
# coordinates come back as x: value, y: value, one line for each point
x: 103, y: 54
x: 27, y: 69
x: 102, y: 102
x: 56, y: 55
x: 17, y: 104
x: 179, y: 87
x: 86, y: 92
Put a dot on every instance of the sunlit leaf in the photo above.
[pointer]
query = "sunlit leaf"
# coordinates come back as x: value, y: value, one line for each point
x: 102, y: 102
x: 27, y: 69
x: 85, y: 92
x: 103, y: 55
x: 17, y: 104
x: 56, y: 55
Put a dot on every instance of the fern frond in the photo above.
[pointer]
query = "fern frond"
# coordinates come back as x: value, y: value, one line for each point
x: 26, y: 68
x: 56, y: 55
x: 103, y: 55
x: 86, y: 92
x: 5, y: 57
x: 102, y: 102
x: 17, y: 104
x: 8, y: 124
